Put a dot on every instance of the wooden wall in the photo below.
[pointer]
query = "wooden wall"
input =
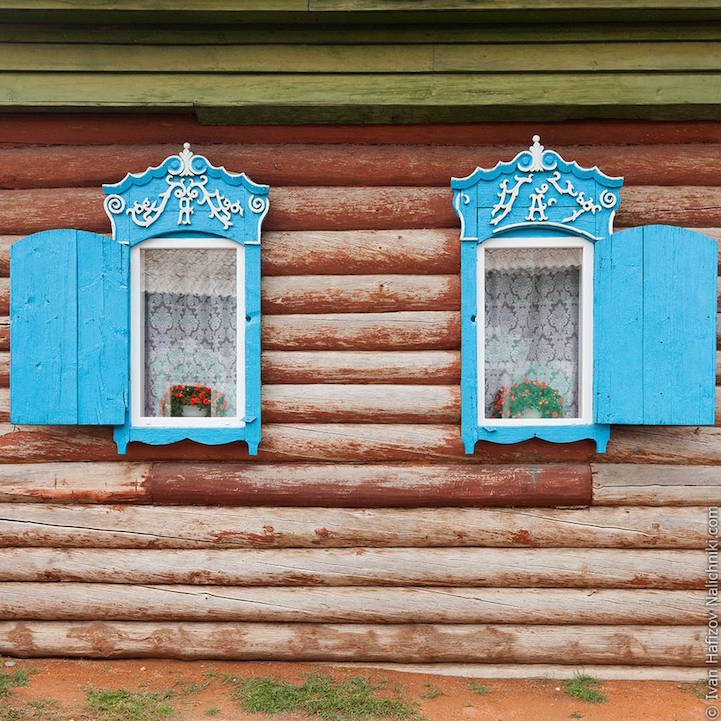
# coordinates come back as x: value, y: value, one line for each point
x: 442, y: 62
x: 361, y: 532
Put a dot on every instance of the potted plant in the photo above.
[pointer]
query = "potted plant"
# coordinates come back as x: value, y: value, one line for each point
x: 190, y: 401
x: 528, y: 399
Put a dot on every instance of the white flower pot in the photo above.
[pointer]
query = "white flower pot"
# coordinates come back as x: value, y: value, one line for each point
x: 528, y: 413
x: 195, y: 411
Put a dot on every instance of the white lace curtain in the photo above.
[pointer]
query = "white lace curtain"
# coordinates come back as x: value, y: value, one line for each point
x: 190, y: 323
x: 532, y: 321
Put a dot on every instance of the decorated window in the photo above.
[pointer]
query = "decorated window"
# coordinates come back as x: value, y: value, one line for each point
x: 568, y: 327
x: 155, y: 330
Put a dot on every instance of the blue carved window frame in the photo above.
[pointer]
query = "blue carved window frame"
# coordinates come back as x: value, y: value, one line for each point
x: 536, y: 195
x: 187, y: 197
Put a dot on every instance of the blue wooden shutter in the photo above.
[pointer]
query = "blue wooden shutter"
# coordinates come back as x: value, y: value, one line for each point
x: 68, y: 329
x: 655, y: 327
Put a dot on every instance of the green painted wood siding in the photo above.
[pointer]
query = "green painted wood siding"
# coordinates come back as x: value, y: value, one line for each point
x: 361, y: 73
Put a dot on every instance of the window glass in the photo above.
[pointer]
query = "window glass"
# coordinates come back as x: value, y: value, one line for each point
x: 531, y: 359
x: 190, y: 332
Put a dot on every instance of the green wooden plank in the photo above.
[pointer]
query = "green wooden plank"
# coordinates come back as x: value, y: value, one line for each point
x: 574, y: 57
x: 84, y: 89
x: 253, y: 98
x: 355, y: 5
x: 283, y: 34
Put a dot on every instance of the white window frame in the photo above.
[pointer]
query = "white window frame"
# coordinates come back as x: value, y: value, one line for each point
x: 585, y: 335
x: 137, y: 336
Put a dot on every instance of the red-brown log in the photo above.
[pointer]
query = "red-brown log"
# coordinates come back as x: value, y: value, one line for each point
x: 282, y: 295
x: 339, y: 442
x: 402, y: 330
x: 348, y: 165
x: 299, y: 484
x: 330, y: 208
x: 420, y: 367
x: 367, y: 442
x: 132, y: 128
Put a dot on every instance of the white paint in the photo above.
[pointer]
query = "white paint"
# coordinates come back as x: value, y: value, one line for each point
x: 585, y: 329
x: 137, y: 336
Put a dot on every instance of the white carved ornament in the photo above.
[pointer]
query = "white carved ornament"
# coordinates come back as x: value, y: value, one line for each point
x: 538, y: 201
x: 190, y: 186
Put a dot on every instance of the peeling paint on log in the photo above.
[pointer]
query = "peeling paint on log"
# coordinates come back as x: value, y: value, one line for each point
x: 181, y: 527
x: 299, y: 484
x: 494, y: 567
x: 98, y: 601
x: 644, y: 645
x: 332, y: 208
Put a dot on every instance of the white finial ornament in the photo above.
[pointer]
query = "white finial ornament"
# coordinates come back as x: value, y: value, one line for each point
x: 536, y: 151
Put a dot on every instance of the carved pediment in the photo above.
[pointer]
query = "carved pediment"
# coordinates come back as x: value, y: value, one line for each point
x: 538, y: 189
x: 185, y: 193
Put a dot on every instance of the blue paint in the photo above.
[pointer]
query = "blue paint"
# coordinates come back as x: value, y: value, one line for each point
x: 554, y: 198
x: 213, y: 203
x: 555, y: 434
x: 544, y: 201
x: 68, y: 329
x: 655, y: 327
x: 186, y: 193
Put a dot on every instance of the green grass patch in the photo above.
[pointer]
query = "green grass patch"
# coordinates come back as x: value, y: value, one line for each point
x: 478, y: 688
x: 18, y: 677
x: 585, y: 688
x: 352, y: 699
x: 575, y: 714
x: 212, y: 711
x: 122, y: 705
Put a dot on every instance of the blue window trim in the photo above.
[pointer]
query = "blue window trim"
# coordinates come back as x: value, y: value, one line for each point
x: 501, y: 202
x: 186, y: 195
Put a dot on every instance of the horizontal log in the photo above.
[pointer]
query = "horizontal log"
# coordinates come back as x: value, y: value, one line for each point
x: 107, y: 602
x: 132, y: 128
x: 187, y: 527
x: 643, y: 645
x: 360, y: 403
x: 282, y: 295
x: 389, y: 367
x: 410, y: 367
x: 617, y: 484
x: 298, y: 484
x: 352, y: 252
x: 337, y: 442
x: 494, y: 567
x: 367, y: 443
x: 405, y: 367
x: 402, y: 330
x: 321, y: 402
x: 364, y: 208
x: 59, y: 166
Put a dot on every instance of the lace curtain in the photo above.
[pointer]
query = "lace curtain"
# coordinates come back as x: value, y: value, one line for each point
x: 532, y: 321
x: 190, y: 323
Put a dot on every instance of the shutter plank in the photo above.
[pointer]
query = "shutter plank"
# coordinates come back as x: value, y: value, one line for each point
x: 655, y: 327
x: 102, y: 329
x: 69, y: 309
x: 43, y: 364
x: 618, y: 322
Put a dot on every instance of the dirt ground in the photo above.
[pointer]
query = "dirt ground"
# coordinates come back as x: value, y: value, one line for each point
x: 56, y: 691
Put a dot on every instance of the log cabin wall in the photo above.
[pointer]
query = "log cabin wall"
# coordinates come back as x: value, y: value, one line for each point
x: 361, y: 532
